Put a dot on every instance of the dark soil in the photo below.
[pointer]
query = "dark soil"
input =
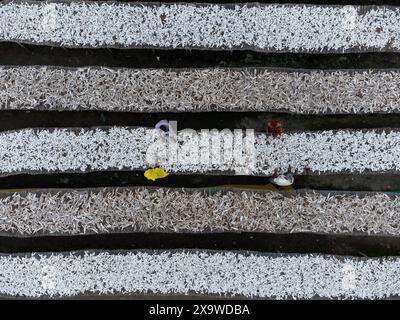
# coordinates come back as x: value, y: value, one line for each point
x: 339, y: 182
x: 354, y: 245
x: 18, y: 54
x: 11, y: 120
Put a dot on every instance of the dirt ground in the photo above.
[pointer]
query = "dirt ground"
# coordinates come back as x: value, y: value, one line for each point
x: 15, y: 54
x: 355, y: 245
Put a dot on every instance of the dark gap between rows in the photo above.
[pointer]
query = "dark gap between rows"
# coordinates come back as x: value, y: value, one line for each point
x: 12, y: 120
x: 26, y: 54
x: 352, y: 245
x: 341, y: 182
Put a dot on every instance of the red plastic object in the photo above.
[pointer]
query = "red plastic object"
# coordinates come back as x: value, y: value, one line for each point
x: 274, y: 127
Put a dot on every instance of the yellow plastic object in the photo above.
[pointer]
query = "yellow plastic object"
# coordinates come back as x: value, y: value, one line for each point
x: 155, y: 173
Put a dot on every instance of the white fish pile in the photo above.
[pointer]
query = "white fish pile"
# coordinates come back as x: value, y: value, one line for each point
x: 118, y: 148
x: 207, y: 273
x: 197, y: 90
x: 140, y: 209
x: 264, y: 27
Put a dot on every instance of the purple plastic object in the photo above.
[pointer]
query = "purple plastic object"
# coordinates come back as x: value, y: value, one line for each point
x: 162, y: 123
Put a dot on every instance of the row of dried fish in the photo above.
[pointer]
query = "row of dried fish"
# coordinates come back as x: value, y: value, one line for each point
x: 140, y: 209
x: 198, y: 90
x: 201, y: 272
x: 264, y: 27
